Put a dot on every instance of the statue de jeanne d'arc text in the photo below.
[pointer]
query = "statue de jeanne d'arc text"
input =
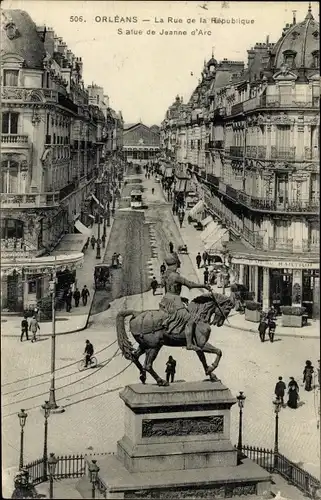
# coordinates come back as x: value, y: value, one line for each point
x: 176, y: 323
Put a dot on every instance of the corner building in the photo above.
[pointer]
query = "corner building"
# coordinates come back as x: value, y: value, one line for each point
x: 52, y: 145
x: 256, y: 159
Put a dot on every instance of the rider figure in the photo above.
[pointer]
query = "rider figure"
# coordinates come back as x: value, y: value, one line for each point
x: 89, y: 351
x: 172, y: 303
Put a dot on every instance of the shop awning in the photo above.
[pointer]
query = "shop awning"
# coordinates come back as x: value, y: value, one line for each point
x: 215, y: 244
x: 86, y: 231
x: 210, y: 228
x: 206, y: 221
x: 70, y: 243
x: 42, y: 265
x: 162, y: 169
x: 97, y: 201
x: 169, y: 172
x: 197, y: 209
x: 180, y: 186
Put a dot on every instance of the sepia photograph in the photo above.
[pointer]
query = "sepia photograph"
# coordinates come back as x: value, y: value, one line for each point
x: 160, y: 196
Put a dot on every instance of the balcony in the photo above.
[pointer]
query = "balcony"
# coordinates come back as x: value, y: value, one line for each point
x: 282, y: 245
x: 253, y: 237
x: 310, y: 246
x: 15, y: 140
x: 273, y: 205
x: 237, y: 151
x: 237, y: 108
x: 67, y: 190
x: 9, y: 200
x: 26, y: 95
x: 283, y: 153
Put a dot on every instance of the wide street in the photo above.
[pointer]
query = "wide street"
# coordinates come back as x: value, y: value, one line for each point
x: 93, y: 420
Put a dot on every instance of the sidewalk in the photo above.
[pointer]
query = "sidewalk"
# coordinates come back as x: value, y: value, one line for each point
x: 236, y: 320
x: 77, y: 319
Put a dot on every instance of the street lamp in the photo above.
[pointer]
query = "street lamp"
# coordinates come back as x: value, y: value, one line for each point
x: 93, y: 474
x: 52, y: 397
x: 277, y: 408
x: 240, y: 401
x: 225, y: 252
x: 46, y: 407
x: 22, y: 419
x: 52, y: 462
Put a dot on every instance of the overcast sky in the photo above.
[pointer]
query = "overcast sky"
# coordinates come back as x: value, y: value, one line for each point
x: 142, y: 74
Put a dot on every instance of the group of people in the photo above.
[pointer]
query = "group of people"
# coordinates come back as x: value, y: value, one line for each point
x: 267, y: 323
x: 29, y: 326
x: 95, y: 241
x: 116, y: 260
x: 293, y: 386
x: 74, y: 293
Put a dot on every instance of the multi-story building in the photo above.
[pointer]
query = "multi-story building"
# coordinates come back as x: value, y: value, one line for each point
x: 52, y: 144
x: 257, y: 160
x: 141, y: 144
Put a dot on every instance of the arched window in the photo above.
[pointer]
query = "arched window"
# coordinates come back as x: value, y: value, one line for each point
x: 316, y: 59
x: 9, y: 178
x: 10, y: 123
x: 11, y: 228
x: 289, y: 58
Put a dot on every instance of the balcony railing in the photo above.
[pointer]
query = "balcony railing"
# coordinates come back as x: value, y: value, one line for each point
x: 310, y: 246
x: 266, y: 204
x: 67, y: 190
x: 237, y: 108
x: 237, y: 151
x: 14, y: 138
x: 9, y: 200
x: 253, y: 237
x: 283, y: 153
x: 28, y: 95
x: 281, y: 244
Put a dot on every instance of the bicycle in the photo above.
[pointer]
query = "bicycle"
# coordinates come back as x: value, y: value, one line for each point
x: 82, y: 363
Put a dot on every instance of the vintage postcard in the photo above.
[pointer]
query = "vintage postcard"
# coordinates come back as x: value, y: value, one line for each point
x: 160, y: 196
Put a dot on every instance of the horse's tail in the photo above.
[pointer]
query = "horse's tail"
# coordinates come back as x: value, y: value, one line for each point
x: 124, y: 343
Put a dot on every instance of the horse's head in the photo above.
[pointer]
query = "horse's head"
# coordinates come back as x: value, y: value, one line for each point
x: 205, y: 306
x: 222, y: 308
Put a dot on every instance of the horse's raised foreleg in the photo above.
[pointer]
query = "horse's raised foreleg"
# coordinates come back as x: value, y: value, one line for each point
x: 151, y: 355
x: 212, y: 350
x: 136, y: 354
x: 202, y: 358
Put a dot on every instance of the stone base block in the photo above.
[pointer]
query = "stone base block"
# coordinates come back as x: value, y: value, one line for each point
x: 117, y: 483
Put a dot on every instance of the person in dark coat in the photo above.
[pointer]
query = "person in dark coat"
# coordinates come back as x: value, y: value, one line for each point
x: 93, y: 242
x: 170, y: 369
x: 76, y: 297
x: 279, y: 390
x: 68, y: 300
x: 171, y: 247
x: 84, y: 295
x: 262, y: 328
x: 307, y: 375
x: 198, y: 260
x: 205, y: 257
x: 293, y: 393
x: 206, y: 275
x: 24, y: 328
x: 154, y: 285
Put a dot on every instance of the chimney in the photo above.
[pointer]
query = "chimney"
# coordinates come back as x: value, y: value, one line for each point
x: 294, y: 17
x: 49, y: 42
x: 267, y: 40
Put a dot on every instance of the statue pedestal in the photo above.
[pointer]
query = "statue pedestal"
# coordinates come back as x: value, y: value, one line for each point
x: 177, y: 445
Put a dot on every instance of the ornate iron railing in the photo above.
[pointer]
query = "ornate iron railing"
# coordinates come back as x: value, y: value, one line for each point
x: 14, y: 138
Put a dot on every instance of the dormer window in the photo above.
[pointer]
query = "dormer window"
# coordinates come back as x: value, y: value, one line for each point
x: 10, y: 77
x: 316, y: 58
x: 289, y: 58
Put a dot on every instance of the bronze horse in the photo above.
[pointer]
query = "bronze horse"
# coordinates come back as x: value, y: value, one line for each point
x: 148, y: 331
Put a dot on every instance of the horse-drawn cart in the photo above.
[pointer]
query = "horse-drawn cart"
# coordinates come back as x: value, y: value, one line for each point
x: 101, y: 276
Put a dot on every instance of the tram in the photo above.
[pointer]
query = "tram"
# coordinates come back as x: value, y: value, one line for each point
x: 136, y: 199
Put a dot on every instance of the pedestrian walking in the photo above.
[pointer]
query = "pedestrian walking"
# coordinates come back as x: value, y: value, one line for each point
x: 319, y: 373
x: 68, y: 300
x: 198, y: 260
x: 24, y: 328
x: 293, y: 394
x: 120, y: 260
x: 76, y: 297
x: 205, y: 258
x: 307, y: 375
x: 279, y: 390
x: 84, y: 295
x: 103, y: 239
x: 162, y: 268
x: 171, y: 247
x: 206, y: 275
x: 262, y: 328
x: 34, y: 327
x: 170, y: 369
x: 271, y: 327
x: 93, y: 242
x: 86, y: 244
x: 154, y: 285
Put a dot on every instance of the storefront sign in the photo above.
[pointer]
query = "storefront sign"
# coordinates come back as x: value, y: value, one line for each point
x: 277, y: 264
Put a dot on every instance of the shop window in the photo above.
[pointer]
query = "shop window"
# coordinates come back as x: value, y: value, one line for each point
x: 10, y: 123
x: 10, y: 77
x: 11, y: 228
x: 32, y: 286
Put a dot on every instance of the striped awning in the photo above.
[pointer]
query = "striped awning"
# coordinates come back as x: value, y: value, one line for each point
x: 214, y: 244
x: 197, y: 209
x: 210, y: 228
x: 206, y: 221
x: 86, y: 231
x: 180, y: 186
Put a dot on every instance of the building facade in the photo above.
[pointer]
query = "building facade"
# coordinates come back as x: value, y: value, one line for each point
x: 141, y: 144
x: 53, y: 141
x: 251, y: 138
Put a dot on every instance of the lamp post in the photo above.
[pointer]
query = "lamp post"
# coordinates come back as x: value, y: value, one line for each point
x: 93, y: 474
x: 52, y: 397
x: 46, y: 408
x: 224, y: 253
x: 277, y: 408
x: 240, y: 401
x: 52, y: 462
x: 22, y: 419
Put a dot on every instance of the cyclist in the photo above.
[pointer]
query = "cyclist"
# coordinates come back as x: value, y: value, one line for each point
x: 89, y: 351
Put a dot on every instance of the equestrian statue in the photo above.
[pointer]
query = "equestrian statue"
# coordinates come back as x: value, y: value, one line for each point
x: 176, y: 323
